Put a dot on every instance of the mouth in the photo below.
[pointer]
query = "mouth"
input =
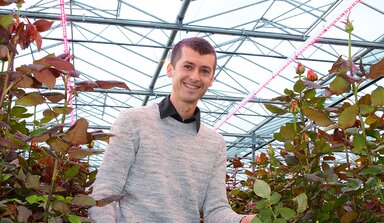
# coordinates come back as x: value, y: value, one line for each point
x: 191, y: 86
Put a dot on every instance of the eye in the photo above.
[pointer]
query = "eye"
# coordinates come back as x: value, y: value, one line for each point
x: 205, y: 72
x: 188, y: 67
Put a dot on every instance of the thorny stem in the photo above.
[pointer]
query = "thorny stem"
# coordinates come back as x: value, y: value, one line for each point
x: 66, y: 97
x: 6, y: 80
x: 301, y: 104
x: 51, y: 189
x: 355, y: 90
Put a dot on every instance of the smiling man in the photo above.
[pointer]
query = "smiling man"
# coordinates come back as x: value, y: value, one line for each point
x: 168, y: 165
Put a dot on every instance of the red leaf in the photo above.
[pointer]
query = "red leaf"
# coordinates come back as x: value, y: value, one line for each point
x: 54, y: 97
x: 55, y: 72
x: 77, y: 134
x: 36, y: 67
x: 339, y: 64
x: 377, y: 70
x: 38, y: 41
x: 59, y: 63
x: 43, y: 25
x: 86, y: 85
x: 111, y: 84
x: 46, y: 77
x: 74, y: 73
x: 237, y: 164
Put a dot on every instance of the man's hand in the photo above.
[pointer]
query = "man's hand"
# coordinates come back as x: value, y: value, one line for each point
x: 247, y: 219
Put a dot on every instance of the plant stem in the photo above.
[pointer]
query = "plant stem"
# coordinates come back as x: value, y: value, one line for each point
x: 65, y: 79
x: 6, y: 80
x: 1, y: 178
x: 51, y: 189
x: 355, y: 90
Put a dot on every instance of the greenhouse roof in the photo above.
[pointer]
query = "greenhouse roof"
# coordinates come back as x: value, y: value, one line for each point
x: 258, y: 43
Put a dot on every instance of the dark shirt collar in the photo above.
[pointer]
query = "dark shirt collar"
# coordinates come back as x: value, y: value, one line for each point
x: 167, y: 109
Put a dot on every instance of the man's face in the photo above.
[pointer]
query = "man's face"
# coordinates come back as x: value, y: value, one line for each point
x: 192, y: 75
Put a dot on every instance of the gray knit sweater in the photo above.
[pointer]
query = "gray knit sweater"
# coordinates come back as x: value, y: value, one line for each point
x: 168, y: 172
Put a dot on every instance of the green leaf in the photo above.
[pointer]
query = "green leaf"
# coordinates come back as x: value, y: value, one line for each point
x: 279, y: 220
x: 256, y: 220
x: 275, y: 198
x: 301, y: 200
x: 5, y: 177
x: 366, y: 109
x: 262, y: 204
x: 309, y: 93
x: 6, y: 20
x: 377, y: 96
x: 74, y: 218
x: 332, y: 178
x: 32, y: 199
x: 348, y: 217
x: 372, y: 170
x: 359, y: 142
x: 339, y: 85
x: 328, y: 206
x: 289, y: 147
x: 262, y: 189
x: 316, y: 115
x: 287, y: 132
x: 289, y: 93
x: 82, y: 200
x: 61, y: 206
x: 38, y: 131
x: 31, y: 99
x: 287, y: 213
x: 266, y: 215
x: 347, y: 118
x: 291, y: 160
x: 235, y: 192
x: 58, y: 145
x: 299, y: 86
x: 32, y: 181
x: 20, y: 112
x: 62, y: 110
x: 72, y: 172
x: 82, y: 153
x: 276, y: 110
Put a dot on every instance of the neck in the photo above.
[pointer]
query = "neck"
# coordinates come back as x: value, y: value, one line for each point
x: 184, y: 109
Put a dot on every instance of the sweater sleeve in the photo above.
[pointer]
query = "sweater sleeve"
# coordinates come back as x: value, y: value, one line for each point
x: 216, y: 206
x: 113, y: 171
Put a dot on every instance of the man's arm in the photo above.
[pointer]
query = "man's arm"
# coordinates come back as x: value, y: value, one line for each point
x: 216, y: 206
x: 113, y: 171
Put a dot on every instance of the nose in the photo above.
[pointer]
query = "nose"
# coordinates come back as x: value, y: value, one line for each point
x: 195, y: 75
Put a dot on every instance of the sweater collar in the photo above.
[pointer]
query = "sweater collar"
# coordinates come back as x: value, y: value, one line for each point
x: 166, y: 109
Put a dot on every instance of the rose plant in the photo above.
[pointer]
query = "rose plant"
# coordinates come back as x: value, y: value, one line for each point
x: 44, y: 172
x: 309, y: 183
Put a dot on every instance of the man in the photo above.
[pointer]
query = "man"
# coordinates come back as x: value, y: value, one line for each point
x: 170, y: 167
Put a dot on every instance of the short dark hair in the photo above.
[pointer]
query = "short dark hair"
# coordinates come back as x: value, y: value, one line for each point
x: 198, y: 44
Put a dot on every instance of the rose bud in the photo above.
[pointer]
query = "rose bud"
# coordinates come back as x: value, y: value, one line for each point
x: 348, y: 26
x: 300, y: 69
x: 294, y: 107
x: 311, y: 75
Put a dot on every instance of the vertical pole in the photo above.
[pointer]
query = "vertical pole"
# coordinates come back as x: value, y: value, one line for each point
x: 253, y: 150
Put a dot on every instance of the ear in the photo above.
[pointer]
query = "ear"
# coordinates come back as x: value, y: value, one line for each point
x: 169, y: 70
x: 210, y: 84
